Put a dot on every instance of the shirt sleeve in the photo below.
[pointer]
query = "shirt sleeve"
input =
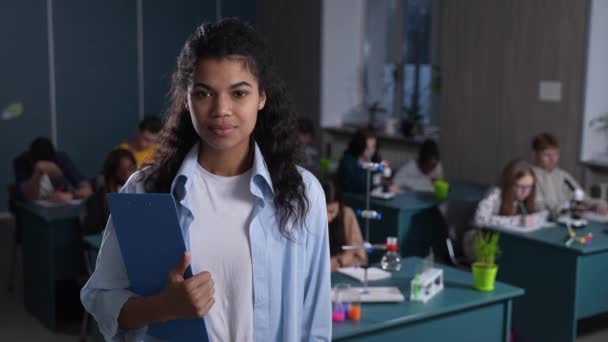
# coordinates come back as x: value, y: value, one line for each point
x: 107, y: 290
x: 316, y: 322
x: 487, y: 212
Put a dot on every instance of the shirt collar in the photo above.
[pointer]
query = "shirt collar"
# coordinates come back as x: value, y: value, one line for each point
x: 260, y: 185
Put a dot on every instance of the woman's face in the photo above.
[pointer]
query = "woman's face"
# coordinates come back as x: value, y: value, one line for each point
x: 125, y: 170
x: 523, y: 187
x: 333, y: 209
x: 223, y: 101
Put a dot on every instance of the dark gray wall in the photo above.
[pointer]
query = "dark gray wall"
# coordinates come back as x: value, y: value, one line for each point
x: 96, y: 70
x: 495, y: 53
x: 293, y: 31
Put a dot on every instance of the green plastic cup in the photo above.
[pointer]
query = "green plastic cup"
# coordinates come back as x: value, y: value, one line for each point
x: 441, y: 189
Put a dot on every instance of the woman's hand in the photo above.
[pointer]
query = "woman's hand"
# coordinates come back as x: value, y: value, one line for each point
x: 188, y: 298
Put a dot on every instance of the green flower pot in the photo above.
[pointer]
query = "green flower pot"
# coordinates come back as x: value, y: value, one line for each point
x: 483, y: 276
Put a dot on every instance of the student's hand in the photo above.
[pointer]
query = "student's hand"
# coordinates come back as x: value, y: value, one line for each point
x: 528, y: 221
x: 83, y: 192
x: 60, y: 197
x: 188, y: 298
x: 601, y: 209
x: 49, y: 168
x: 393, y: 188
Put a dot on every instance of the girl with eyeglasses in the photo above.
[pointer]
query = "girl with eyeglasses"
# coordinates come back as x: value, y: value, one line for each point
x: 513, y: 204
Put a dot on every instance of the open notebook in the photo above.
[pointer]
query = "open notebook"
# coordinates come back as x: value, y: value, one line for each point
x: 371, y: 294
x: 524, y: 230
x: 49, y: 204
x: 373, y: 273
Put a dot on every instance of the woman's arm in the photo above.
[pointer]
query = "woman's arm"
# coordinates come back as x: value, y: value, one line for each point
x: 353, y: 237
x: 487, y: 212
x: 316, y: 320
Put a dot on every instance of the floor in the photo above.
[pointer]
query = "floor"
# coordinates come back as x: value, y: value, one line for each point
x: 17, y: 325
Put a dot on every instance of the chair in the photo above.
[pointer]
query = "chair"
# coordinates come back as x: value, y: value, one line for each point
x: 458, y: 217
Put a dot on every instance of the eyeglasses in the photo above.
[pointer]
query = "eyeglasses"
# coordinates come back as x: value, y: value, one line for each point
x: 519, y: 187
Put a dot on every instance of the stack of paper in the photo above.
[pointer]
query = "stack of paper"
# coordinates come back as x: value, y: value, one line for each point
x: 373, y: 273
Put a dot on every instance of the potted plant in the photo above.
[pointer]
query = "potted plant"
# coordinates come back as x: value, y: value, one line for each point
x: 411, y: 123
x: 484, y: 268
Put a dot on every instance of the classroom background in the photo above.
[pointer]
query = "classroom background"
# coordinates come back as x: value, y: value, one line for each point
x: 481, y: 78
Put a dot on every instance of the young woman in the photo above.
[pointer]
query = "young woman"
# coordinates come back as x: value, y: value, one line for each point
x: 363, y: 147
x: 256, y: 223
x: 117, y: 168
x: 343, y: 229
x: 514, y: 203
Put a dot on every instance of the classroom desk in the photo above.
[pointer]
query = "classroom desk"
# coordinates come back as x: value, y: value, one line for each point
x: 52, y: 252
x: 563, y: 284
x: 412, y: 216
x: 458, y: 313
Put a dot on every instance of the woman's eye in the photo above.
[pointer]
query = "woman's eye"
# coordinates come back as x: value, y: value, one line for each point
x: 201, y: 93
x: 240, y: 93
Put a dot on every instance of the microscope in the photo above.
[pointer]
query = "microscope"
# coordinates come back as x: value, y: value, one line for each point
x: 573, y: 216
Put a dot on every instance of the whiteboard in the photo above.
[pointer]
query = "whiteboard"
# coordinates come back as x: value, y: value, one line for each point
x: 594, y: 147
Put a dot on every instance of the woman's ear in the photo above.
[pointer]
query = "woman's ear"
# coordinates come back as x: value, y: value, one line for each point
x: 262, y: 100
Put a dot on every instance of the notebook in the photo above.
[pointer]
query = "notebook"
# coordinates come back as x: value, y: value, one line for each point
x: 151, y: 243
x: 373, y: 273
x: 371, y: 294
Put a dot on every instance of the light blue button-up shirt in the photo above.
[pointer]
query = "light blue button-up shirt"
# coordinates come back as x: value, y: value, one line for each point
x: 291, y: 279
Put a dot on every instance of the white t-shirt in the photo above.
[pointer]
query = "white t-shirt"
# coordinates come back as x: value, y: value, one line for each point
x: 411, y: 178
x: 219, y: 243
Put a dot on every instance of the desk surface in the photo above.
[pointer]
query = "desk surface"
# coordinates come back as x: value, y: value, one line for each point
x: 457, y: 295
x: 410, y: 200
x: 556, y: 236
x: 51, y: 213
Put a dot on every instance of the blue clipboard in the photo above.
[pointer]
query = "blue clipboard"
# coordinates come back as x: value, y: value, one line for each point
x: 151, y: 243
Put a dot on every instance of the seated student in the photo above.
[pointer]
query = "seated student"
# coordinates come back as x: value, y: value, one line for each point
x: 117, y: 168
x: 514, y: 203
x: 45, y: 174
x: 144, y: 144
x: 362, y: 148
x: 306, y: 135
x: 419, y: 175
x: 343, y: 229
x: 552, y: 190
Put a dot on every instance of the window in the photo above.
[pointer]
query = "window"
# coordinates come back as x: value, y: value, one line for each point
x: 398, y: 57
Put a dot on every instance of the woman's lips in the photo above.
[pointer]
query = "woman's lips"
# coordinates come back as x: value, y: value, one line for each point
x: 222, y: 130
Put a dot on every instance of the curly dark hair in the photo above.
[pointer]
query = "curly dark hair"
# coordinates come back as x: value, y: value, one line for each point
x: 273, y: 130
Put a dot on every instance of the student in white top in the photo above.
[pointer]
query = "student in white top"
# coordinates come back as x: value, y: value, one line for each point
x: 552, y: 189
x: 254, y: 223
x: 514, y: 203
x: 419, y: 175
